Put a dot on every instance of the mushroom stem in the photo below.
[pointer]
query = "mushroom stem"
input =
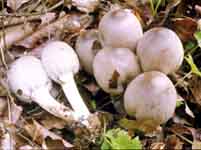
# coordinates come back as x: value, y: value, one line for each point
x: 72, y: 93
x: 42, y: 96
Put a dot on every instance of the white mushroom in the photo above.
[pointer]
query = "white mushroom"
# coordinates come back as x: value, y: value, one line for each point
x: 86, y: 5
x: 87, y: 45
x: 120, y: 28
x: 29, y: 82
x: 160, y: 49
x: 61, y: 63
x: 114, y: 68
x: 151, y: 98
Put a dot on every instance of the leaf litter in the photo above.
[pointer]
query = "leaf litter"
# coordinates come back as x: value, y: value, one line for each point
x: 26, y: 25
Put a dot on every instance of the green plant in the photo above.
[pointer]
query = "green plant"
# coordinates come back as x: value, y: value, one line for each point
x: 119, y: 139
x: 155, y: 4
x: 193, y: 66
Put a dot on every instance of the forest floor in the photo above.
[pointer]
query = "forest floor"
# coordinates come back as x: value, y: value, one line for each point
x: 25, y: 25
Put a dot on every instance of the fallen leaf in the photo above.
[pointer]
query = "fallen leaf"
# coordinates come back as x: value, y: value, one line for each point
x: 39, y: 134
x: 15, y: 113
x: 3, y: 104
x: 50, y: 143
x: 47, y: 18
x: 50, y: 122
x: 70, y: 23
x: 195, y: 88
x: 134, y: 124
x: 42, y: 19
x: 11, y: 35
x: 3, y: 91
x: 181, y: 129
x: 173, y: 142
x: 157, y: 146
x: 16, y: 4
x: 185, y: 28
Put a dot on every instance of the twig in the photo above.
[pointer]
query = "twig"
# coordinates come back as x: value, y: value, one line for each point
x: 182, y: 137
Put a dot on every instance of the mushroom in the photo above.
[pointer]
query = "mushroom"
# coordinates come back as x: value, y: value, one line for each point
x: 61, y: 63
x: 151, y: 98
x: 29, y: 82
x: 160, y: 49
x: 87, y: 45
x: 120, y: 28
x: 115, y: 67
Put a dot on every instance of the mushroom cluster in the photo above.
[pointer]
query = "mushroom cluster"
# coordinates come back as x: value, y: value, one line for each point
x: 136, y: 63
x: 29, y: 79
x: 120, y: 57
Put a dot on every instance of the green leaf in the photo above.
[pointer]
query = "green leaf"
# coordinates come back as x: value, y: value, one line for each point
x: 93, y: 104
x: 119, y: 139
x: 190, y: 45
x: 193, y: 66
x: 179, y: 103
x: 137, y: 143
x: 105, y: 146
x: 197, y: 36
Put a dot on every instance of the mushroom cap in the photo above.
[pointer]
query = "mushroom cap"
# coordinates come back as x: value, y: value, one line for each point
x: 151, y: 98
x: 59, y: 59
x: 86, y: 48
x: 120, y: 28
x: 160, y: 49
x: 115, y: 67
x: 25, y: 76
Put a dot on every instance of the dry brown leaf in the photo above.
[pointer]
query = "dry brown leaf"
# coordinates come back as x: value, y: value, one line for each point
x: 86, y: 5
x: 185, y: 27
x: 70, y: 23
x: 16, y: 4
x: 3, y: 105
x: 134, y: 124
x: 12, y: 20
x: 3, y: 80
x: 13, y: 34
x: 3, y: 91
x: 157, y: 146
x: 47, y: 18
x: 173, y: 142
x: 15, y: 113
x: 181, y: 129
x: 195, y: 88
x: 50, y: 143
x: 40, y: 133
x: 50, y: 122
